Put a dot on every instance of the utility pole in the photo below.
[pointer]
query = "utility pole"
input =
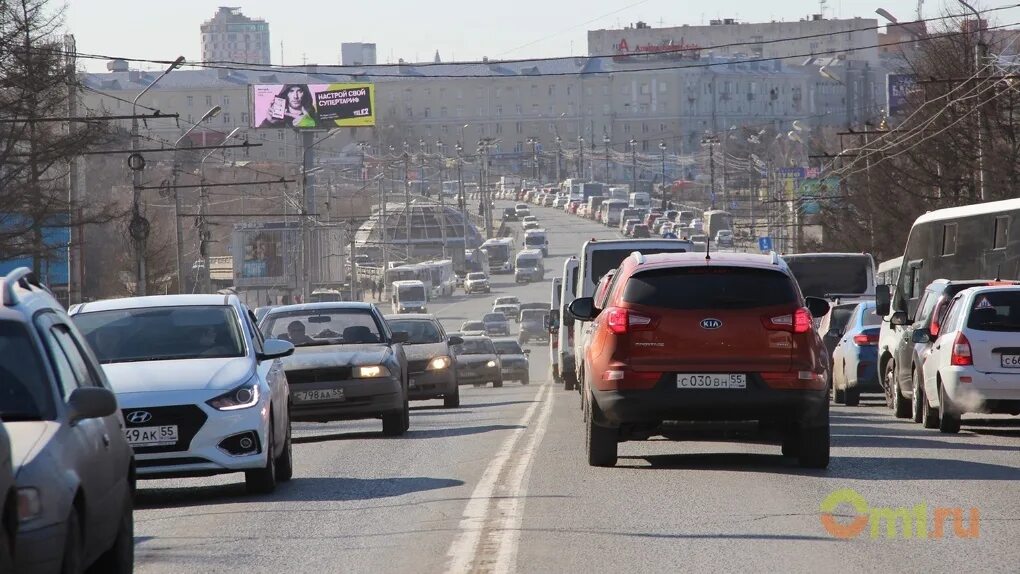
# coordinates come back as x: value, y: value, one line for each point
x: 605, y: 143
x: 980, y: 55
x: 442, y: 194
x: 559, y: 149
x: 407, y: 200
x: 662, y: 150
x: 633, y: 164
x: 76, y: 251
x: 580, y: 160
x: 710, y: 141
x: 460, y: 189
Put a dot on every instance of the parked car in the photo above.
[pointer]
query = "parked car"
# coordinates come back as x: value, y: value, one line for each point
x: 430, y: 369
x: 496, y: 323
x: 533, y: 325
x: 476, y: 283
x: 855, y: 357
x: 680, y: 340
x: 477, y: 362
x: 201, y: 392
x: 472, y: 328
x: 974, y: 362
x: 260, y: 312
x: 62, y: 442
x: 347, y: 364
x: 514, y: 363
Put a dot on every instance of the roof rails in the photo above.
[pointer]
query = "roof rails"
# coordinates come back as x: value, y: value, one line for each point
x: 775, y: 257
x: 22, y: 276
x: 638, y: 257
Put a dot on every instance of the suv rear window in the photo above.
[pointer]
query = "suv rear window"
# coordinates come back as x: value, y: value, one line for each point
x: 996, y: 312
x: 25, y: 393
x: 710, y: 288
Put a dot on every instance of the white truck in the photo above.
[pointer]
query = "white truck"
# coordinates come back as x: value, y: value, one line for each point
x: 537, y: 239
x: 563, y: 369
x: 554, y: 327
x: 640, y: 199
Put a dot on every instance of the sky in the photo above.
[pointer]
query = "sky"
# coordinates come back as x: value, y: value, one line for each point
x: 311, y: 31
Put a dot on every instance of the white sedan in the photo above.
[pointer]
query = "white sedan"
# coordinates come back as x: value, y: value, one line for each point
x: 200, y: 390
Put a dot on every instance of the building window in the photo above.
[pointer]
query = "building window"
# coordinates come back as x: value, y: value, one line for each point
x: 226, y: 101
x: 519, y: 127
x: 534, y: 89
x: 208, y: 101
x: 587, y: 91
x: 427, y: 111
x: 226, y: 117
x: 520, y: 111
x: 279, y: 135
x: 568, y: 89
x: 626, y: 128
x: 605, y: 108
x: 499, y: 129
x: 663, y: 87
x: 1001, y: 232
x: 644, y: 89
x: 191, y: 101
x: 460, y: 111
x: 552, y: 90
x: 442, y: 112
x: 444, y: 128
x: 495, y: 91
x: 499, y: 110
x: 428, y: 92
x: 460, y: 94
x: 408, y: 112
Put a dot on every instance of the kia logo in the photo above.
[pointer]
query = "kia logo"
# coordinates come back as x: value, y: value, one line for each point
x: 711, y: 323
x: 139, y: 417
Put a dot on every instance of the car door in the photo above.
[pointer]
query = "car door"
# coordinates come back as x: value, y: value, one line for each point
x: 941, y: 349
x: 87, y: 444
x: 903, y: 354
x: 272, y: 372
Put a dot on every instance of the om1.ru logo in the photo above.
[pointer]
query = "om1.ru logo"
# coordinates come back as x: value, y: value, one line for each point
x: 911, y: 521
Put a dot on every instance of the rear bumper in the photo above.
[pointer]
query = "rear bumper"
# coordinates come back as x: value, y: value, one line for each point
x: 475, y: 376
x: 431, y: 384
x: 665, y: 402
x: 515, y: 373
x: 866, y: 379
x: 996, y: 393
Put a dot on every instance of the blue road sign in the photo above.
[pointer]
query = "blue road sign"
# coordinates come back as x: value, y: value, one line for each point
x: 765, y: 244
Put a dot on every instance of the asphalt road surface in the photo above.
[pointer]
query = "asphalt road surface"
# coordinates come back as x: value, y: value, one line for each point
x: 501, y: 485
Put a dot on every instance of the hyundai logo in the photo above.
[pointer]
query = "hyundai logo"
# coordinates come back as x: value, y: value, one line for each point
x: 711, y: 323
x: 139, y: 417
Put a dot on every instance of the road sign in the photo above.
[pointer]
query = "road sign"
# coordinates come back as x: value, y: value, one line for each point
x: 765, y: 244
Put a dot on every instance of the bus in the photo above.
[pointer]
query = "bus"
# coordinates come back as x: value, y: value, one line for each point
x: 410, y: 272
x: 847, y: 276
x: 501, y: 254
x: 715, y: 221
x: 888, y: 271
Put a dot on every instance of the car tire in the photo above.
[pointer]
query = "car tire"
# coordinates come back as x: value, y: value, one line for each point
x: 496, y: 384
x: 917, y: 402
x: 900, y: 405
x: 452, y: 400
x: 853, y: 396
x: 263, y: 480
x: 838, y: 395
x: 569, y: 381
x: 285, y: 462
x: 601, y: 443
x: 929, y: 414
x: 72, y: 561
x: 791, y: 442
x: 814, y: 447
x: 949, y: 419
x: 393, y: 423
x: 120, y: 558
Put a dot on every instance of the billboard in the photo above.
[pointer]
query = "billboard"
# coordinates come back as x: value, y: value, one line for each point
x: 898, y: 88
x: 267, y: 255
x: 312, y: 106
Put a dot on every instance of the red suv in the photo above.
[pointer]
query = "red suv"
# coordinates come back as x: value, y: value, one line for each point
x: 687, y: 336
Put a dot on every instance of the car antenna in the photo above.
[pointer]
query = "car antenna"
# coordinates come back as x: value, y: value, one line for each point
x: 998, y: 271
x: 708, y: 248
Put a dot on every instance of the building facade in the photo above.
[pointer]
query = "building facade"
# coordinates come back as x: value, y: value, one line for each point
x: 230, y: 36
x: 357, y: 54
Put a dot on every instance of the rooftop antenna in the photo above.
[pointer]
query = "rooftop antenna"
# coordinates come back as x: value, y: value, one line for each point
x: 998, y: 272
x: 708, y: 248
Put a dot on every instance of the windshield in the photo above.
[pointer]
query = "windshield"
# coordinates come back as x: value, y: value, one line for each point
x: 535, y: 240
x: 25, y: 392
x: 605, y: 260
x: 475, y: 347
x: 494, y: 318
x: 821, y: 275
x: 314, y: 327
x: 507, y: 348
x: 839, y: 316
x: 415, y: 293
x: 476, y: 276
x: 507, y: 301
x: 533, y: 315
x: 472, y: 326
x: 528, y: 262
x: 419, y: 332
x: 162, y: 333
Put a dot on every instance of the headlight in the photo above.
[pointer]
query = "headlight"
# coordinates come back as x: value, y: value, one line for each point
x: 243, y: 397
x: 29, y: 504
x: 490, y: 364
x: 439, y: 363
x: 371, y: 372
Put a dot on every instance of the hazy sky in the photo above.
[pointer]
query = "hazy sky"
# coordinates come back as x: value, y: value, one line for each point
x: 311, y: 31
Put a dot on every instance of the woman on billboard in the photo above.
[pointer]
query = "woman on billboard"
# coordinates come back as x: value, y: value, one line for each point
x: 292, y: 107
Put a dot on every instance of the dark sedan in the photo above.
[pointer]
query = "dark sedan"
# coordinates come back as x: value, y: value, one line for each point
x: 347, y: 363
x: 430, y: 368
x: 477, y: 362
x: 514, y: 363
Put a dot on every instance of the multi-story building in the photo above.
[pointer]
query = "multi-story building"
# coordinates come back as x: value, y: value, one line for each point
x: 357, y: 54
x: 230, y: 36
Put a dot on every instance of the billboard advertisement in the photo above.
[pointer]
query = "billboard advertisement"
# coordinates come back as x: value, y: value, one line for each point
x: 312, y: 106
x: 267, y: 255
x: 899, y: 87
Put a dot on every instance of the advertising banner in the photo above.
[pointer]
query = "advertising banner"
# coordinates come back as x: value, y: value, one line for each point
x: 899, y: 87
x: 312, y: 106
x: 267, y: 255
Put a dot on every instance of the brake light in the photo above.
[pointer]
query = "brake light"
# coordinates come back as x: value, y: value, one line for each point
x: 797, y: 322
x: 936, y: 325
x: 866, y: 339
x: 961, y: 356
x: 620, y: 321
x: 794, y: 380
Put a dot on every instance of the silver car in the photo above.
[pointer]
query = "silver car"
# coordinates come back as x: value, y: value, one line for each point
x: 74, y: 470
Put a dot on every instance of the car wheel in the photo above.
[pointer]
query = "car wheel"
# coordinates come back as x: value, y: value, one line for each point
x: 814, y: 447
x: 917, y: 402
x: 120, y: 558
x: 452, y: 400
x: 838, y: 395
x: 949, y: 419
x: 601, y: 443
x: 791, y: 442
x: 393, y: 423
x: 853, y: 397
x: 263, y: 480
x: 74, y: 554
x: 900, y: 406
x: 285, y: 462
x: 496, y: 384
x: 929, y: 414
x: 569, y: 381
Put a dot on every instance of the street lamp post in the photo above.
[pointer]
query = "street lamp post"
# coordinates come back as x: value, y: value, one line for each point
x: 633, y: 163
x: 605, y: 142
x: 710, y: 141
x: 139, y: 227
x: 203, y: 231
x: 213, y: 112
x: 662, y: 151
x: 580, y: 157
x: 460, y: 190
x: 442, y: 199
x: 308, y: 196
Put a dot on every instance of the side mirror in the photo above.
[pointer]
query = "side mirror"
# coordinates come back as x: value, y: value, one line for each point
x: 920, y: 336
x: 817, y: 306
x: 400, y: 336
x: 883, y: 300
x: 455, y: 340
x: 582, y: 309
x: 275, y: 349
x: 899, y: 319
x: 90, y: 403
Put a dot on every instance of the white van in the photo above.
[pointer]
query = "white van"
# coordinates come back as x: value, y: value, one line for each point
x: 640, y: 199
x: 564, y: 366
x: 537, y: 239
x: 409, y: 297
x: 528, y: 266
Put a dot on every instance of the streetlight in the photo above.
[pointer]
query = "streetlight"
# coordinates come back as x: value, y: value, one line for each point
x: 605, y: 142
x: 442, y: 200
x: 139, y: 227
x: 460, y: 190
x: 633, y: 163
x: 980, y: 50
x: 580, y: 157
x: 213, y: 112
x: 534, y: 155
x: 662, y: 151
x: 203, y: 233
x: 559, y: 150
x: 309, y: 206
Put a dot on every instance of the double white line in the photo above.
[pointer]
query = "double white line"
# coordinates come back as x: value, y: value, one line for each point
x: 490, y: 527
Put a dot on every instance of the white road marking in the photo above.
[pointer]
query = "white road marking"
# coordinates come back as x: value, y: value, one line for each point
x: 482, y: 543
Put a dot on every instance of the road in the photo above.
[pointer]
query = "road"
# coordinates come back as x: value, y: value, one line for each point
x: 501, y: 485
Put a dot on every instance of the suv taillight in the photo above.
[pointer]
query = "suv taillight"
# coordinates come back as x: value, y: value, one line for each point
x: 936, y: 325
x: 620, y: 321
x: 961, y: 356
x: 797, y: 322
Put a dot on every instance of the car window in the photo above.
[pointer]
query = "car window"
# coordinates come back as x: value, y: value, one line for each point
x: 839, y: 317
x: 25, y: 393
x: 869, y: 318
x: 66, y: 377
x: 952, y: 317
x: 324, y: 327
x: 995, y: 311
x: 79, y: 364
x: 507, y: 348
x: 494, y: 317
x: 925, y: 307
x: 475, y: 347
x: 419, y: 332
x: 710, y: 288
